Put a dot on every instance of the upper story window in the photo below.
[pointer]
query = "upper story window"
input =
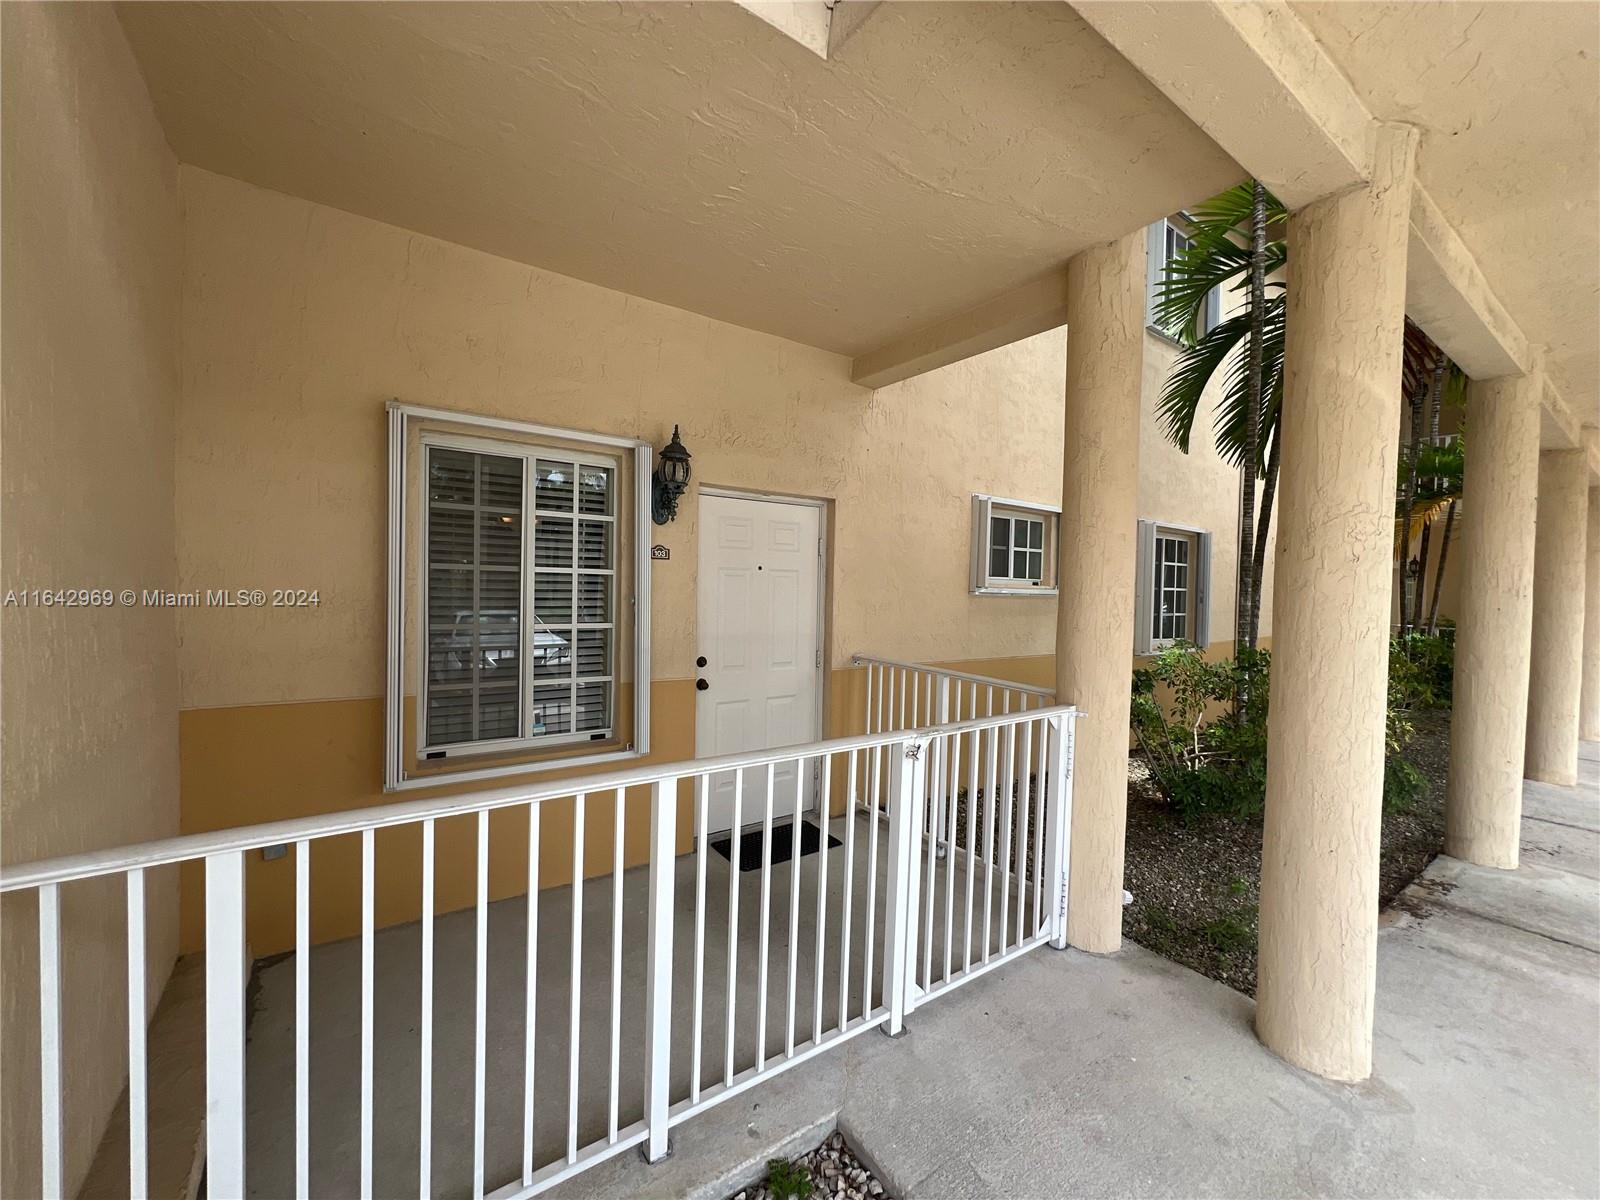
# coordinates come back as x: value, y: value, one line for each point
x: 516, y: 619
x: 1013, y: 546
x: 1167, y: 239
x: 1172, y: 587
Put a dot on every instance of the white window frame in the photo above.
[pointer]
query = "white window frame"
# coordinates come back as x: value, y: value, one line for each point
x: 983, y: 510
x: 606, y: 450
x: 1156, y: 260
x: 1145, y: 641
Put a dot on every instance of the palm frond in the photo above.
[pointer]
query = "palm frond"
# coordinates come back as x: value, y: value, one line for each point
x: 1233, y: 406
x: 1180, y: 395
x: 1226, y: 217
x: 1218, y: 255
x: 1189, y: 279
x: 1445, y: 462
x: 1423, y: 513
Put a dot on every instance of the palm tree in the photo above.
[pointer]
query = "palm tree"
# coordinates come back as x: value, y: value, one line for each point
x: 1440, y: 468
x: 1431, y: 380
x: 1238, y: 240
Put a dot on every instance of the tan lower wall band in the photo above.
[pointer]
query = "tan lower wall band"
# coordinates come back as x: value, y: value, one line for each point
x: 271, y: 762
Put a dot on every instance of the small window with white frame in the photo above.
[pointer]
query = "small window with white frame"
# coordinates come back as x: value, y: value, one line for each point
x: 1166, y: 240
x: 1173, y: 587
x: 518, y: 609
x: 1013, y: 546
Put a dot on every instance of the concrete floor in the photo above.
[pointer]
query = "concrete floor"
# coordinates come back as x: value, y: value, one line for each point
x: 335, y: 1044
x: 1066, y: 1074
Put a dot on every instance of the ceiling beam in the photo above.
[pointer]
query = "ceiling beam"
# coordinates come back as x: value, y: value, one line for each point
x: 844, y: 18
x: 1257, y: 82
x: 1448, y: 297
x: 1010, y: 317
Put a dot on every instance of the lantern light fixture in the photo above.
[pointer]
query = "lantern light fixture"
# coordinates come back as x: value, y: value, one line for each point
x: 670, y: 479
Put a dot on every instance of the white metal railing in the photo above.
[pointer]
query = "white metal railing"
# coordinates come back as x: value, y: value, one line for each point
x: 1012, y: 897
x: 988, y: 800
x: 908, y: 695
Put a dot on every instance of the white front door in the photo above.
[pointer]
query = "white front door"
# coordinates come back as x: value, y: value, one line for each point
x: 760, y: 588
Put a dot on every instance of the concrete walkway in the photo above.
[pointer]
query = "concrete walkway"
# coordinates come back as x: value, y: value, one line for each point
x: 1066, y: 1074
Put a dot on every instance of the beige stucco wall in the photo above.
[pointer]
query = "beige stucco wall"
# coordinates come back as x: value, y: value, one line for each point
x: 300, y: 321
x: 90, y: 303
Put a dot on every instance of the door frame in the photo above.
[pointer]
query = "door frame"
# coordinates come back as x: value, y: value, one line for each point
x: 824, y: 587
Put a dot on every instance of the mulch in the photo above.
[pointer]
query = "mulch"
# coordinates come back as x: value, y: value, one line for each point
x: 1197, y: 884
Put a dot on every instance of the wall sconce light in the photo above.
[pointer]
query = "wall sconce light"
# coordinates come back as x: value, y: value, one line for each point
x: 670, y: 479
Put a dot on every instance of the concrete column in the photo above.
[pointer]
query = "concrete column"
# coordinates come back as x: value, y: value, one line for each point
x: 1483, y: 802
x: 1099, y: 516
x: 1556, y: 668
x: 1330, y: 619
x: 1589, y: 699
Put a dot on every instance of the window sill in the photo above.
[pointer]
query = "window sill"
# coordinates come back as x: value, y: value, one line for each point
x: 1161, y: 335
x: 1016, y: 591
x: 466, y: 774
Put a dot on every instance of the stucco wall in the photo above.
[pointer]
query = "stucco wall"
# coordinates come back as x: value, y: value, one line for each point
x: 90, y: 303
x: 300, y: 321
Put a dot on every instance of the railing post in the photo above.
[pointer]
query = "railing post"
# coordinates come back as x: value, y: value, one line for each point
x: 52, y: 1161
x: 226, y: 976
x: 940, y: 836
x: 658, y: 986
x: 908, y: 777
x: 1058, y: 825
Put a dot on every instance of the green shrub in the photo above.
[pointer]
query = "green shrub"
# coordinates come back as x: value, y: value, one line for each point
x: 788, y: 1180
x: 1207, y: 758
x: 1430, y: 665
x: 1229, y: 933
x: 1402, y: 784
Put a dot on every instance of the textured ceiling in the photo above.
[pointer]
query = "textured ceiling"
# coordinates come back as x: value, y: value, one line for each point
x: 1508, y: 100
x: 690, y: 153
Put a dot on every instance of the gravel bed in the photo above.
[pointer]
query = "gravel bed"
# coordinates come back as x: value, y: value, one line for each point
x: 1197, y: 885
x: 834, y: 1171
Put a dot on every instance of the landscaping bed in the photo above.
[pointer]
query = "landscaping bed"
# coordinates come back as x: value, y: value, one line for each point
x: 1196, y: 884
x: 830, y: 1172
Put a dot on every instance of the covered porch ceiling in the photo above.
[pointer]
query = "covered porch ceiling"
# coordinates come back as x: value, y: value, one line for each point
x: 911, y: 198
x: 691, y: 153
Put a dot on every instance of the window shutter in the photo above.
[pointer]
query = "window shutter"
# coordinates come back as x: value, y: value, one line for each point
x: 1142, y: 596
x: 1202, y: 591
x: 980, y: 542
x: 1155, y: 260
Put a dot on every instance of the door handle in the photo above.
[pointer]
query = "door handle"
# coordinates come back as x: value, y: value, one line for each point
x: 701, y: 685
